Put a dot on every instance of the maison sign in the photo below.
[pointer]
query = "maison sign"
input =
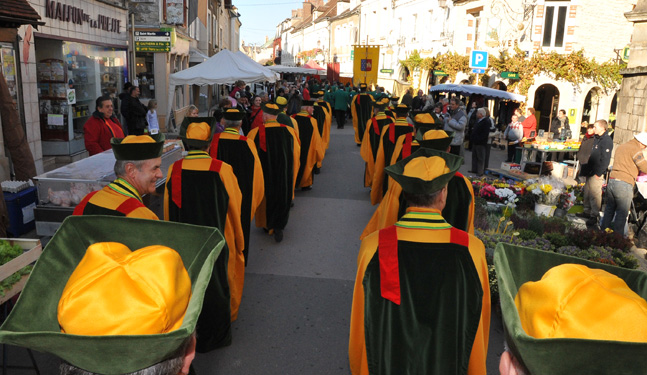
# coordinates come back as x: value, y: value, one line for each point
x: 68, y: 13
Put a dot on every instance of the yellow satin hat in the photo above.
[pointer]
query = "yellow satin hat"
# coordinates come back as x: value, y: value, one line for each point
x: 198, y: 130
x: 137, y: 139
x: 426, y: 168
x: 575, y: 301
x: 424, y: 118
x: 115, y: 291
x: 434, y: 134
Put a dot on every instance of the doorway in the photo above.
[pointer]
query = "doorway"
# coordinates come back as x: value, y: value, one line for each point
x: 546, y: 105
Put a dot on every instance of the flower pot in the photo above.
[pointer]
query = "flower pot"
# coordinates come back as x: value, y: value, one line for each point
x: 559, y: 212
x: 543, y: 209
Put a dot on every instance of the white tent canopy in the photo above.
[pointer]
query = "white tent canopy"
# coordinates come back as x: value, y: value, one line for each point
x: 291, y: 69
x: 487, y: 92
x: 225, y: 67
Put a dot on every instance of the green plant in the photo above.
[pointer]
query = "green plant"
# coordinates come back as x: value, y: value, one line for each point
x: 526, y: 234
x: 536, y: 224
x: 557, y: 239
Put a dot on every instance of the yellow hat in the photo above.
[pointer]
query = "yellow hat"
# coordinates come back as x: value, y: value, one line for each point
x: 575, y: 301
x: 281, y: 101
x: 137, y: 139
x: 114, y: 291
x: 198, y: 130
x: 426, y: 169
x: 424, y: 118
x: 434, y: 134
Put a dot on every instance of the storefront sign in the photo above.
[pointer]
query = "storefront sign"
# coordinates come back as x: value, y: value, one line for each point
x: 68, y: 13
x: 510, y: 75
x: 390, y: 71
x: 440, y: 73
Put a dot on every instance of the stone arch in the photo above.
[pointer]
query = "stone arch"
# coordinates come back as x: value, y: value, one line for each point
x: 546, y: 105
x: 591, y: 108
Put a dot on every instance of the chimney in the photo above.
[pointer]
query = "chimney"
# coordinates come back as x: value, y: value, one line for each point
x: 295, y: 13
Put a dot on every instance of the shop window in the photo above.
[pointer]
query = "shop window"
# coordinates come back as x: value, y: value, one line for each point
x: 144, y: 69
x: 555, y: 25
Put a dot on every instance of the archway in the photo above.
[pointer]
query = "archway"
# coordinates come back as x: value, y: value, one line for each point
x: 546, y: 105
x: 465, y: 82
x: 404, y: 74
x: 591, y: 105
x: 501, y: 110
x: 613, y: 111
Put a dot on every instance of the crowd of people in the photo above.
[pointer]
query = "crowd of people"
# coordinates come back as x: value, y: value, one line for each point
x: 421, y: 302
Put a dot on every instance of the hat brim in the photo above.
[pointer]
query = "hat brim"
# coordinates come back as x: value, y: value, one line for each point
x: 33, y: 322
x: 414, y: 185
x: 138, y: 151
x: 196, y: 143
x: 516, y: 265
x: 272, y: 111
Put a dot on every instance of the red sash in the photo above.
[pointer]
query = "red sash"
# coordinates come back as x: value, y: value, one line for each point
x: 376, y: 128
x: 406, y: 147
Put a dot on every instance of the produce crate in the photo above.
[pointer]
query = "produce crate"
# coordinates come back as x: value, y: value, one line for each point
x: 32, y: 250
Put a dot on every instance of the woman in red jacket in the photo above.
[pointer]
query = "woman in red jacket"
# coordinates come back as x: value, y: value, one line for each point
x: 101, y: 126
x: 256, y: 117
x: 530, y: 123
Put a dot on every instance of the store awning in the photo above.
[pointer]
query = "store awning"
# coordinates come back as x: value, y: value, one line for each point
x: 291, y: 69
x: 311, y: 64
x: 487, y: 92
x: 14, y: 13
x: 197, y: 56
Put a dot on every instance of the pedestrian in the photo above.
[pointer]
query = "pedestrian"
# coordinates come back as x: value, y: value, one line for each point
x: 101, y: 127
x: 530, y: 124
x: 459, y: 209
x: 279, y: 150
x: 123, y: 106
x: 407, y: 98
x: 628, y: 162
x: 136, y: 113
x: 341, y: 100
x: 559, y: 124
x: 513, y: 134
x: 417, y: 102
x: 421, y: 280
x: 256, y: 113
x: 148, y: 327
x: 563, y: 315
x: 137, y: 166
x: 594, y: 171
x: 201, y: 190
x: 361, y: 108
x: 521, y: 117
x: 479, y: 139
x: 491, y: 135
x: 193, y: 111
x: 456, y: 122
x: 471, y: 121
x: 240, y: 153
x: 151, y: 117
x: 312, y: 148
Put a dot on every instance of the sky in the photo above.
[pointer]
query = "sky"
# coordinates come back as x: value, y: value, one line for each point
x: 260, y: 17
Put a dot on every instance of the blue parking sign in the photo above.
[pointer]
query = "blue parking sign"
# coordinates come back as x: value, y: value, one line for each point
x: 478, y: 59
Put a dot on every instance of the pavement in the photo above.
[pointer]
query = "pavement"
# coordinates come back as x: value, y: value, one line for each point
x: 295, y: 313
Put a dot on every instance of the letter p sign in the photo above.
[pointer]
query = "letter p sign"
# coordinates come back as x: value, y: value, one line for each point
x: 478, y: 60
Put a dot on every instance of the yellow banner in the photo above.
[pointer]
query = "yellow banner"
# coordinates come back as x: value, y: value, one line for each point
x: 366, y: 61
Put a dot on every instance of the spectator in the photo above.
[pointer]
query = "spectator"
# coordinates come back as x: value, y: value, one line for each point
x: 407, y: 98
x: 594, y: 171
x: 530, y: 124
x: 123, y: 105
x: 418, y: 102
x: 521, y: 117
x: 101, y: 127
x: 513, y: 134
x: 479, y: 139
x: 629, y: 160
x: 455, y: 122
x: 256, y: 114
x: 559, y: 125
x: 136, y: 113
x: 490, y: 138
x: 151, y: 117
x: 193, y: 111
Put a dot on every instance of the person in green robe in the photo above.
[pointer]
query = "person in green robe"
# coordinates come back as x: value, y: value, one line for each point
x: 284, y: 118
x: 240, y: 153
x: 421, y: 302
x: 201, y: 190
x: 312, y: 148
x: 341, y: 98
x: 361, y: 108
x: 371, y: 142
x: 279, y: 149
x: 89, y: 299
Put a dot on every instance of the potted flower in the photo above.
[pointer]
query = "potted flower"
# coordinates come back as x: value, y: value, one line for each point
x: 564, y: 203
x: 546, y: 198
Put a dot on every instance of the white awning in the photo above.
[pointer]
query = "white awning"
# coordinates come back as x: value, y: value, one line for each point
x: 291, y: 69
x: 197, y: 56
x: 487, y: 92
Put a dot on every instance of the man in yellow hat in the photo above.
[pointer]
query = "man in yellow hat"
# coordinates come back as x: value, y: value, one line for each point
x: 386, y: 146
x: 459, y: 209
x: 312, y: 148
x: 116, y: 295
x: 282, y: 117
x: 421, y: 303
x: 372, y: 135
x: 240, y: 152
x: 137, y: 169
x: 565, y: 315
x: 360, y: 107
x: 279, y: 149
x: 202, y: 190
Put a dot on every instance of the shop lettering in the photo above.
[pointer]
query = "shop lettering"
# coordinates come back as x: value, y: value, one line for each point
x: 67, y: 13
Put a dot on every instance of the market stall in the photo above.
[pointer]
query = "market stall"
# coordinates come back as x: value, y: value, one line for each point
x: 60, y: 190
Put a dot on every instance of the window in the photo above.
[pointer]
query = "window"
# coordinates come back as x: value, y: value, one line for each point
x: 554, y: 25
x: 209, y: 27
x: 214, y: 30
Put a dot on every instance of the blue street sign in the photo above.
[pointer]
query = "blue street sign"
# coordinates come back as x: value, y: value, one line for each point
x: 478, y: 59
x: 478, y: 71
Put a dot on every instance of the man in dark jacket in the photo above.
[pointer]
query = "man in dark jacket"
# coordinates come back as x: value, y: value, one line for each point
x: 478, y: 139
x: 136, y: 113
x: 594, y: 172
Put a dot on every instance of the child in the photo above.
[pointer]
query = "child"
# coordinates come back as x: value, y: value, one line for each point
x: 151, y: 117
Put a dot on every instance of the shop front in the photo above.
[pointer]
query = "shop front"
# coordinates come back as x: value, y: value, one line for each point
x: 80, y: 54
